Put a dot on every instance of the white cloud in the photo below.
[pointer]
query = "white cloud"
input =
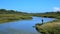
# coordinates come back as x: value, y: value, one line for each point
x: 56, y: 9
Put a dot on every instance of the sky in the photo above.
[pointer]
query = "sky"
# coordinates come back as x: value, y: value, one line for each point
x: 31, y: 6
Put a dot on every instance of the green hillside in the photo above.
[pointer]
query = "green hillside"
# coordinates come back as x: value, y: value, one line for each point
x: 11, y: 15
x: 48, y: 14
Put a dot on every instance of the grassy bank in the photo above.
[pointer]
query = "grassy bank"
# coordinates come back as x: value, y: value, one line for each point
x: 50, y: 27
x: 11, y: 15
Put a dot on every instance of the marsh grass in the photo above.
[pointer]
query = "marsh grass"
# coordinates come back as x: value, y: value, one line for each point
x: 12, y: 17
x: 52, y: 27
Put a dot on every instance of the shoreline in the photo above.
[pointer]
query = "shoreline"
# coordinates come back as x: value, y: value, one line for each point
x: 49, y: 27
x: 9, y: 18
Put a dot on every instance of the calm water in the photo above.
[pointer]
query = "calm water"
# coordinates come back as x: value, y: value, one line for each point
x: 22, y: 26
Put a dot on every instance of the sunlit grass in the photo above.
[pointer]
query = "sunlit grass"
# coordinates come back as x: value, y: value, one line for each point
x: 50, y: 28
x: 12, y: 17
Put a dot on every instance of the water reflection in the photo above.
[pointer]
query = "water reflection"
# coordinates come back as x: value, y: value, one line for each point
x: 22, y: 26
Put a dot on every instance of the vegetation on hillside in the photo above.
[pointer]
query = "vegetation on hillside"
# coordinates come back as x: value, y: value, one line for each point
x: 11, y: 15
x: 48, y: 14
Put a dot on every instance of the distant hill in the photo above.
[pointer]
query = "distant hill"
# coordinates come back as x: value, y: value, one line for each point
x: 48, y: 14
x: 4, y: 11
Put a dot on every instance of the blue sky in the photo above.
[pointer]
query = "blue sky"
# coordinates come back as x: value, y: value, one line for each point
x: 30, y: 5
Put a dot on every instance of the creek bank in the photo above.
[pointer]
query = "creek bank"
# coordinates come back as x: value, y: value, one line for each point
x: 52, y: 27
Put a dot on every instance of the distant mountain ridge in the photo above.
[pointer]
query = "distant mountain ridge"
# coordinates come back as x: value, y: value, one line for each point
x: 4, y: 11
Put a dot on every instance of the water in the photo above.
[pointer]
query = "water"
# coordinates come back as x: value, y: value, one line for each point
x: 22, y: 26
